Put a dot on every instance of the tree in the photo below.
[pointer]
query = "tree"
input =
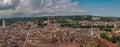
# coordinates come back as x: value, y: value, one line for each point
x: 105, y: 36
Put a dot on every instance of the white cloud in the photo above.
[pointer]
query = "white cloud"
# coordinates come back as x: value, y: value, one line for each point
x: 8, y: 2
x: 41, y: 7
x: 5, y: 2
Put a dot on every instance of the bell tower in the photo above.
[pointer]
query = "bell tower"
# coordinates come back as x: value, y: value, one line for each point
x: 3, y: 23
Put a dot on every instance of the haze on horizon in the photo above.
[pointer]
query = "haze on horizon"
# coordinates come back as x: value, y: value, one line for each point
x: 35, y: 8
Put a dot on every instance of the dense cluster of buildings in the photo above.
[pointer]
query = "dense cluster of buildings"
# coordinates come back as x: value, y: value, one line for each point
x: 28, y: 34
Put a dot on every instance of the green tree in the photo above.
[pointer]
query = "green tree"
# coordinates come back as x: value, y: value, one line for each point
x: 105, y: 36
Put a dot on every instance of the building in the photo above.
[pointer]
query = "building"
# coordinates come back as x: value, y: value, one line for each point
x: 3, y: 23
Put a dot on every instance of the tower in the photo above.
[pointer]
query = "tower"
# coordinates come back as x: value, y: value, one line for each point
x: 115, y: 26
x: 91, y: 33
x: 3, y: 23
x: 48, y: 21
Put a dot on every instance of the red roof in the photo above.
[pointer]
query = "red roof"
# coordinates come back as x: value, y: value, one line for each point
x: 107, y: 43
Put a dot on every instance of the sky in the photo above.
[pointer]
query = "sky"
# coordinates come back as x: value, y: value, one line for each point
x: 37, y: 8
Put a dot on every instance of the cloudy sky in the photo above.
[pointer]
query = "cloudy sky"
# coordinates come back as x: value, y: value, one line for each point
x: 33, y: 8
